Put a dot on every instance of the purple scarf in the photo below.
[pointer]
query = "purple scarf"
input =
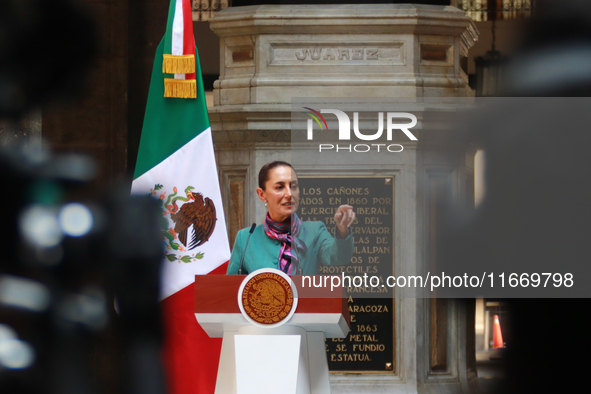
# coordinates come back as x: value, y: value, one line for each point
x: 287, y: 232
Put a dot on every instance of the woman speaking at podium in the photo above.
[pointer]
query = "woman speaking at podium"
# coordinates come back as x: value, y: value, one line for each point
x: 283, y: 241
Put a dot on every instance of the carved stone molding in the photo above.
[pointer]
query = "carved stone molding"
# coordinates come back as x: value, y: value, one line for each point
x: 234, y: 184
x: 203, y: 10
x: 369, y: 50
x: 330, y: 54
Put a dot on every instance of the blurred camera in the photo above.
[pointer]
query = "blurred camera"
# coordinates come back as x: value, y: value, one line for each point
x: 67, y: 254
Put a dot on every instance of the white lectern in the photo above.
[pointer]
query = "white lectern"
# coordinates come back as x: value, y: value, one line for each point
x: 290, y: 358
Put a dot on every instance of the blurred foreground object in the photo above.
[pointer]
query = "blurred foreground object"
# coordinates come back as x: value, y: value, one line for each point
x: 46, y: 48
x: 67, y: 250
x: 538, y: 204
x: 556, y: 55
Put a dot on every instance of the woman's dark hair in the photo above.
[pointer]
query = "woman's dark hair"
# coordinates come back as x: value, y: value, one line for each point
x: 264, y: 172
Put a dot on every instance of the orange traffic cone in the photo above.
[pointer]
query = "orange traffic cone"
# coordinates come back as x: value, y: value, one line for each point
x: 497, y: 336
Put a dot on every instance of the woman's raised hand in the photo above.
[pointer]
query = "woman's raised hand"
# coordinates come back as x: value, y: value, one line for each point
x: 343, y: 218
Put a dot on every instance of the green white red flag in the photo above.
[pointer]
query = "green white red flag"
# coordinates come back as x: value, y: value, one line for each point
x: 176, y: 164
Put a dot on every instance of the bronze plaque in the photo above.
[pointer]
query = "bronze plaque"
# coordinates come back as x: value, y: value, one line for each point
x: 369, y: 347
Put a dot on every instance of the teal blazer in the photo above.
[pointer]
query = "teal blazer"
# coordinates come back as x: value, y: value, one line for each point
x: 263, y: 252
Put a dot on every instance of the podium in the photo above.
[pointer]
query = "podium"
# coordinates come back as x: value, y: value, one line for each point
x: 290, y: 358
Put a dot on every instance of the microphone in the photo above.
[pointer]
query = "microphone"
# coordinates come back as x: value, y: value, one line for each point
x: 246, y: 246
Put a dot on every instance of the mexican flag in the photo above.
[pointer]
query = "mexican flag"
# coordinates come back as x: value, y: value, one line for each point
x: 176, y: 165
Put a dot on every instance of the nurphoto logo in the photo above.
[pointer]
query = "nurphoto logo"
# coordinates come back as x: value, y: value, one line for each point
x: 393, y: 122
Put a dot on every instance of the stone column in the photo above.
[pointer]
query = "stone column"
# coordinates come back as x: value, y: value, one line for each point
x: 271, y: 54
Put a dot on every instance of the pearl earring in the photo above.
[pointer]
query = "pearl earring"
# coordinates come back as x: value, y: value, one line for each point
x: 265, y: 203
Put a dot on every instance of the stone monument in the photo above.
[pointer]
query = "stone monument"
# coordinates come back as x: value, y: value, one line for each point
x: 272, y: 54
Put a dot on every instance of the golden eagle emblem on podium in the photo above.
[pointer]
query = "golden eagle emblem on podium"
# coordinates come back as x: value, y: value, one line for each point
x: 267, y: 298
